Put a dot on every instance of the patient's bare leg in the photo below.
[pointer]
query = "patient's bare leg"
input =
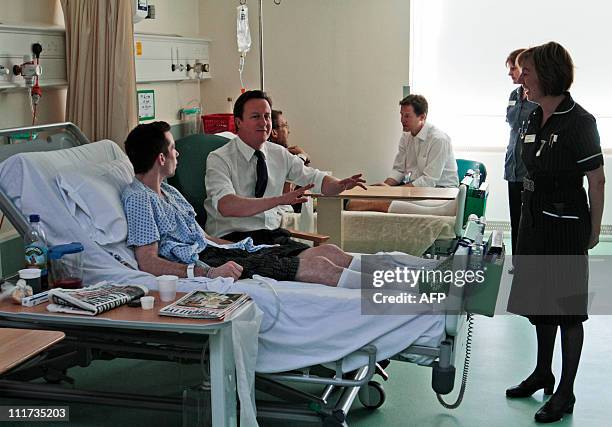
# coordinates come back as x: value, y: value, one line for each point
x: 331, y: 252
x: 318, y: 269
x: 369, y: 205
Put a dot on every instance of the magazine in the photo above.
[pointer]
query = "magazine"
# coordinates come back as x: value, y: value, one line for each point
x: 205, y: 305
x: 94, y: 299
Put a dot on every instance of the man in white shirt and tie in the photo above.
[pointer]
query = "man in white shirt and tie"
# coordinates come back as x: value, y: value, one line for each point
x: 245, y: 179
x: 425, y: 157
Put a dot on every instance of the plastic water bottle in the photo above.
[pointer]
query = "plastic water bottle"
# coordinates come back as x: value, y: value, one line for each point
x: 476, y: 180
x: 36, y: 249
x: 407, y: 178
x: 306, y: 220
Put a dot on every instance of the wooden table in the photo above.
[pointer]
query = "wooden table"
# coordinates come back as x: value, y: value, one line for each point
x: 135, y: 321
x: 19, y: 345
x: 329, y: 208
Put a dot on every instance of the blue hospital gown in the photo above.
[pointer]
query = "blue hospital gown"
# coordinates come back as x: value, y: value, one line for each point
x: 169, y: 221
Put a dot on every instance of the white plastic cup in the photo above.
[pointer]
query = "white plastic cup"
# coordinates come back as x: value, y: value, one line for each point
x: 166, y: 285
x: 147, y: 303
x: 32, y: 278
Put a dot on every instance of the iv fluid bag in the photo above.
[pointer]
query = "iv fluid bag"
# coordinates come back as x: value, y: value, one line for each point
x: 243, y: 35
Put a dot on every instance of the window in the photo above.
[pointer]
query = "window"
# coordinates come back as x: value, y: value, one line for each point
x: 457, y: 55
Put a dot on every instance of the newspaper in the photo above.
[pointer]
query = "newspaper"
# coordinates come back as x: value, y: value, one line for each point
x: 94, y: 299
x: 200, y: 304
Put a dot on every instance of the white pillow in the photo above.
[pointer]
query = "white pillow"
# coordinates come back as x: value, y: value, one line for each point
x: 92, y: 194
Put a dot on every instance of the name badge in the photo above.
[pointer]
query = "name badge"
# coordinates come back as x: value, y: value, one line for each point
x: 511, y: 103
x: 529, y: 138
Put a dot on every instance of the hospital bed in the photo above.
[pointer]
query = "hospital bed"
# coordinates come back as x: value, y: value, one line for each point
x: 76, y: 192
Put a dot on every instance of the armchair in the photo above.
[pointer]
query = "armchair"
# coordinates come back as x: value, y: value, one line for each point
x: 476, y: 200
x: 189, y: 178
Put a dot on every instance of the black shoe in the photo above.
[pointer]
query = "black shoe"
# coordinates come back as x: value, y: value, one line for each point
x: 511, y: 270
x: 531, y: 385
x: 554, y: 409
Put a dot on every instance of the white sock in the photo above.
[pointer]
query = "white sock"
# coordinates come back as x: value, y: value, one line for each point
x: 349, y: 279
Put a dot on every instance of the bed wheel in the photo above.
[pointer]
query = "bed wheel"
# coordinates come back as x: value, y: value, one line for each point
x: 372, y: 396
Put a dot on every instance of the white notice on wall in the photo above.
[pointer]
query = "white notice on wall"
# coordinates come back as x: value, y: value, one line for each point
x: 146, y: 105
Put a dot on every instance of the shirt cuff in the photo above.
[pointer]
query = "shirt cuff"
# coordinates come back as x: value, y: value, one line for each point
x: 318, y: 182
x: 396, y: 175
x: 424, y: 181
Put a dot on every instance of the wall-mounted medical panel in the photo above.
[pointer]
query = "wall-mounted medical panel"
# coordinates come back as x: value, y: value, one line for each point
x: 17, y: 41
x: 170, y: 58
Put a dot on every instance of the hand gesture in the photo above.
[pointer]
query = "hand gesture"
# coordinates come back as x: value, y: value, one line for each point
x: 296, y: 196
x: 229, y: 269
x: 352, y: 182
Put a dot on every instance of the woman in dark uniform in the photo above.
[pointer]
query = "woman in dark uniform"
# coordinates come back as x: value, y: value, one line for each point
x: 559, y: 222
x: 517, y: 113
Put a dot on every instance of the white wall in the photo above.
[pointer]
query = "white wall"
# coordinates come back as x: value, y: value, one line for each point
x: 172, y: 18
x: 336, y: 69
x: 41, y: 12
x: 15, y: 104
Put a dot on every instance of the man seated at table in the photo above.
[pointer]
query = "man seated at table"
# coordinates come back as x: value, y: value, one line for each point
x: 425, y: 158
x: 280, y: 135
x: 167, y: 239
x: 245, y: 178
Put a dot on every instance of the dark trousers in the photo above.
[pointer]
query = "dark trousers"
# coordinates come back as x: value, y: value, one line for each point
x: 277, y: 262
x: 514, y: 197
x: 280, y: 236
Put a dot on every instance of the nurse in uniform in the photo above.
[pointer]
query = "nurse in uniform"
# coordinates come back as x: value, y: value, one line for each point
x: 517, y: 113
x: 559, y: 223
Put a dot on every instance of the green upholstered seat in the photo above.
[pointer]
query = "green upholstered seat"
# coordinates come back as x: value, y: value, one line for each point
x: 475, y: 202
x: 191, y: 170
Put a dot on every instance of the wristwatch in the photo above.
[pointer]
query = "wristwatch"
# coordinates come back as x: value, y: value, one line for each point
x: 190, y: 268
x: 303, y: 157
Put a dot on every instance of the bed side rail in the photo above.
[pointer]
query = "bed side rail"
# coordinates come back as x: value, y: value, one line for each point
x: 60, y: 135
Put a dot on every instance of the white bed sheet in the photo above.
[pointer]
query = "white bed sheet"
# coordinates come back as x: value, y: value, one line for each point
x: 316, y: 324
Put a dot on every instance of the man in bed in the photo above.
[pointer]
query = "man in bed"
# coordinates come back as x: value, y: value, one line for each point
x: 425, y: 158
x: 167, y: 239
x: 245, y: 179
